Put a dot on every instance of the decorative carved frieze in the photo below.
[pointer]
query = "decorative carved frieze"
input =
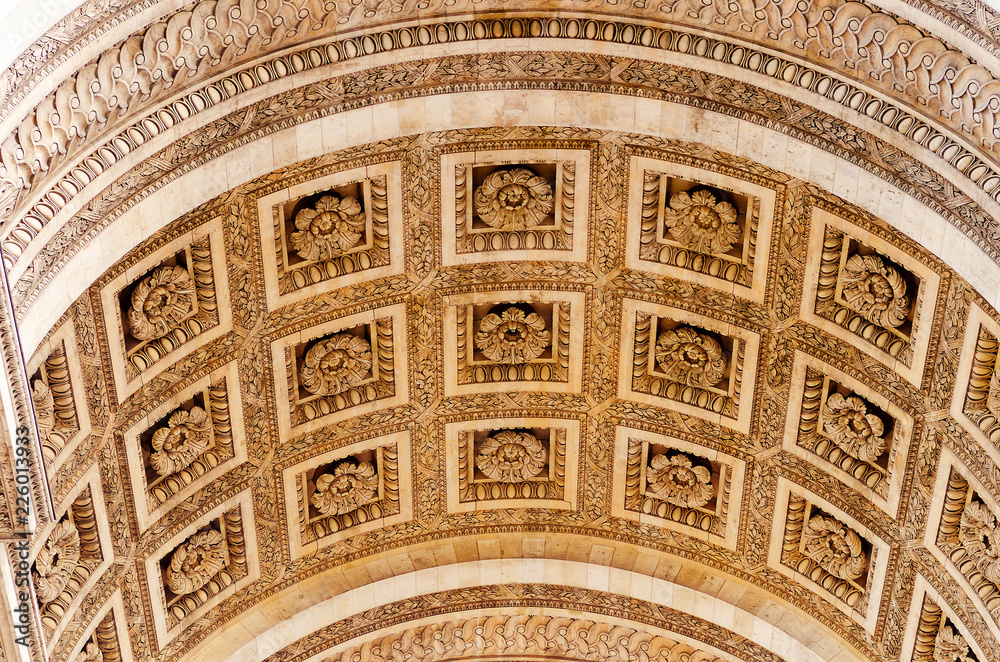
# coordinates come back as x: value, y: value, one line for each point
x: 204, y: 564
x: 347, y: 491
x: 166, y: 304
x: 512, y: 462
x: 523, y: 340
x: 832, y: 553
x: 697, y: 222
x: 186, y: 442
x: 849, y: 430
x: 674, y: 358
x: 870, y: 292
x: 341, y: 368
x: 331, y: 229
x: 668, y: 482
x: 515, y: 203
x: 934, y: 633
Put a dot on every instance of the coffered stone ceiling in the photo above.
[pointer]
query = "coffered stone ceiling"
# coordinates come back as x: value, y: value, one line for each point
x: 439, y: 330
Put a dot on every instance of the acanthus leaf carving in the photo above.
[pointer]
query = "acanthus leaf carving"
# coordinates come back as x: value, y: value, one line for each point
x: 90, y: 653
x: 512, y: 337
x: 875, y: 290
x: 836, y: 548
x: 511, y: 457
x: 44, y: 404
x: 336, y: 364
x: 56, y: 561
x: 196, y: 561
x: 350, y: 486
x: 981, y: 539
x: 160, y: 302
x: 677, y: 481
x: 689, y: 357
x: 333, y: 226
x: 701, y: 223
x: 186, y: 436
x: 950, y: 646
x: 850, y: 426
x: 515, y: 199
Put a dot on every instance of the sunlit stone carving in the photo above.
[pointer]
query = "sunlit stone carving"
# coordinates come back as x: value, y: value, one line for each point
x: 196, y: 561
x: 834, y: 547
x: 677, y: 481
x: 348, y: 488
x: 875, y: 290
x: 511, y: 457
x: 335, y: 225
x: 45, y: 408
x: 181, y: 442
x: 160, y: 302
x: 981, y: 539
x: 515, y: 199
x: 512, y: 337
x: 701, y: 223
x: 336, y: 364
x: 853, y: 429
x: 690, y: 357
x: 949, y: 646
x: 56, y: 561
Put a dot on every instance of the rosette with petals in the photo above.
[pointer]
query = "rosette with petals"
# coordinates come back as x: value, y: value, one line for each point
x: 853, y: 429
x: 196, y: 561
x: 56, y: 561
x: 90, y: 653
x: 677, y: 481
x: 834, y: 547
x: 348, y: 488
x: 515, y: 199
x: 690, y: 357
x: 336, y: 364
x: 45, y: 408
x: 512, y: 337
x: 160, y: 302
x: 176, y: 446
x: 511, y: 457
x: 326, y: 231
x: 875, y: 290
x: 701, y: 223
x: 949, y: 646
x: 981, y: 539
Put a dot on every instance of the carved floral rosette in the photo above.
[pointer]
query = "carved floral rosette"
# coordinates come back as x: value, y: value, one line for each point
x: 950, y: 646
x: 828, y: 552
x: 329, y: 240
x: 513, y: 344
x: 842, y: 434
x: 204, y: 565
x: 70, y: 556
x: 511, y: 464
x: 866, y: 296
x: 677, y: 486
x: 341, y: 371
x: 90, y: 653
x: 346, y: 493
x: 690, y: 366
x: 511, y: 457
x: 193, y: 441
x: 350, y: 486
x: 516, y: 208
x: 56, y: 561
x: 672, y: 234
x: 169, y: 306
x: 54, y: 401
x: 103, y: 645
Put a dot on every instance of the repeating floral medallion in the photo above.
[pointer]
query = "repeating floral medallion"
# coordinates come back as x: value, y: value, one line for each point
x: 170, y: 302
x: 848, y: 429
x: 347, y: 491
x: 511, y: 462
x: 183, y: 444
x: 205, y: 563
x: 341, y: 368
x: 830, y: 551
x: 665, y: 481
x: 515, y: 204
x: 330, y: 228
x: 696, y: 364
x: 700, y: 222
x: 523, y: 340
x: 857, y: 288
